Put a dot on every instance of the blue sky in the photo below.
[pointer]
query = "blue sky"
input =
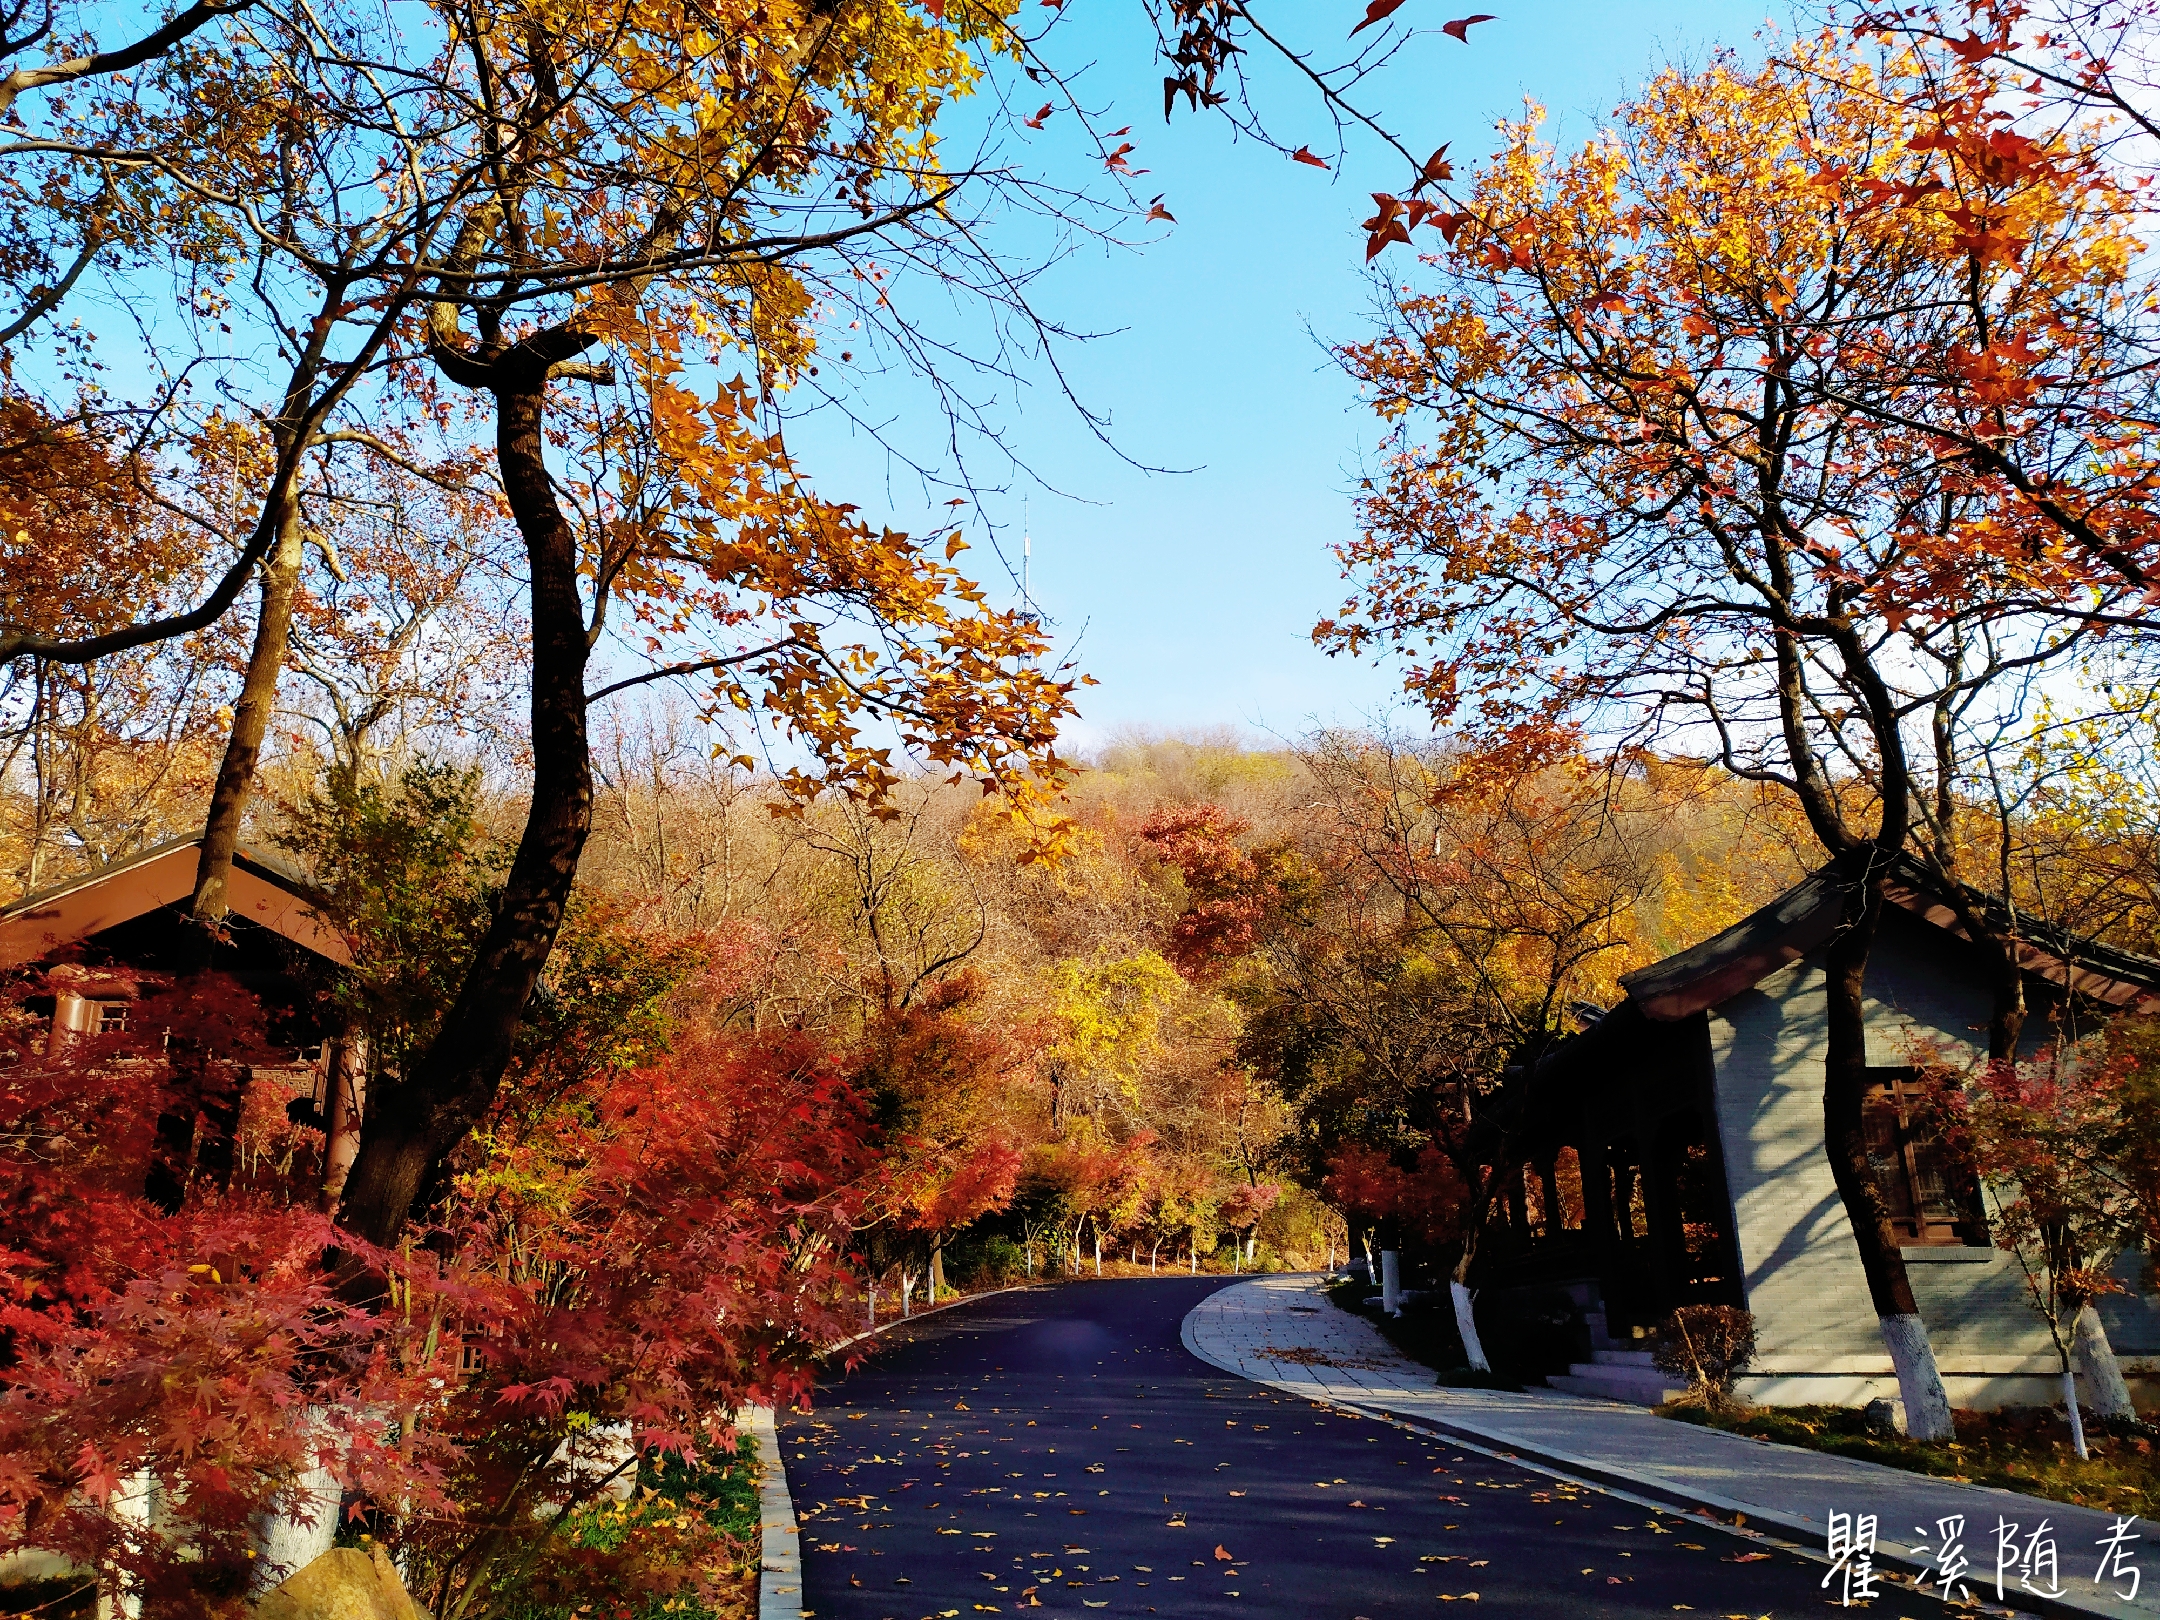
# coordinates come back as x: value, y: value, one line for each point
x: 1191, y: 595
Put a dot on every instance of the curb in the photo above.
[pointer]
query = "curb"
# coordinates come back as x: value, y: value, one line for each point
x: 1712, y: 1511
x: 950, y: 1304
x: 779, y: 1552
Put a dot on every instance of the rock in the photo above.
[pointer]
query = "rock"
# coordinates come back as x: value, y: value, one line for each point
x: 1882, y: 1417
x: 345, y: 1583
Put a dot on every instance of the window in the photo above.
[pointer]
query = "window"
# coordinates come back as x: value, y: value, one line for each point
x: 112, y: 1017
x: 1930, y: 1199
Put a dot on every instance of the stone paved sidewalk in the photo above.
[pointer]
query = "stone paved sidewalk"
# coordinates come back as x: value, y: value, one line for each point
x: 1282, y: 1331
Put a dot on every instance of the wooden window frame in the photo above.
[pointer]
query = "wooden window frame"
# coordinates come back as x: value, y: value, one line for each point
x: 1895, y: 1100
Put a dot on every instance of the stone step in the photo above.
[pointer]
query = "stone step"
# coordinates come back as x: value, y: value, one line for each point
x: 1638, y: 1386
x: 1622, y: 1358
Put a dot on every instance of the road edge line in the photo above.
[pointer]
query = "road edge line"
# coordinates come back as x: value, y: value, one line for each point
x: 951, y: 1304
x: 779, y: 1539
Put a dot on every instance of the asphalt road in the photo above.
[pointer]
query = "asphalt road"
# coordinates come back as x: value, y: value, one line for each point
x: 1061, y: 1451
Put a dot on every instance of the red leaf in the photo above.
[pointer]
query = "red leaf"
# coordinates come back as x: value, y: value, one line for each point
x: 1157, y: 211
x: 1460, y: 27
x: 1223, y: 1553
x: 1378, y: 11
x: 1304, y: 155
x: 1037, y: 121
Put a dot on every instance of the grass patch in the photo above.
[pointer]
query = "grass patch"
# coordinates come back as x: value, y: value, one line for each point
x: 1425, y: 1332
x: 2023, y: 1449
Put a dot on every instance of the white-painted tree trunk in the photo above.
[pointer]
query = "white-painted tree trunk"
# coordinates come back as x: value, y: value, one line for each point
x: 603, y: 1459
x: 2105, y: 1391
x: 288, y: 1541
x: 907, y: 1294
x: 1391, y: 1282
x: 1098, y: 1252
x: 2077, y: 1421
x: 1466, y: 1325
x: 133, y: 1504
x: 1927, y: 1404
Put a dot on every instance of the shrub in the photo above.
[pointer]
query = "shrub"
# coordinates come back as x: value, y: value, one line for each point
x: 990, y: 1262
x: 1709, y: 1345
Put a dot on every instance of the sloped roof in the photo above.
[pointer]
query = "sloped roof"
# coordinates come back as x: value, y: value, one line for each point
x: 263, y: 890
x: 1806, y: 915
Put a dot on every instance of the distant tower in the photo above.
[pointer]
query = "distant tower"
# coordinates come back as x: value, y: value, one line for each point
x: 1027, y: 566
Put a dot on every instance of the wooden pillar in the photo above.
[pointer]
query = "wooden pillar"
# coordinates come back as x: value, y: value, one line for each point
x: 1597, y: 1198
x: 1661, y: 1200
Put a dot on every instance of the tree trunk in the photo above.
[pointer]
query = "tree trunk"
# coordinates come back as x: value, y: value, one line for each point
x: 251, y: 722
x: 1465, y: 1319
x: 347, y: 1089
x: 412, y: 1125
x: 2105, y: 1390
x: 1845, y: 1085
x: 937, y: 1266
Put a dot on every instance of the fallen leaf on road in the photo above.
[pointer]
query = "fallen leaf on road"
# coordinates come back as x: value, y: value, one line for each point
x: 1747, y: 1558
x: 1223, y: 1553
x: 1237, y: 1493
x: 1382, y: 1541
x: 1357, y: 1504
